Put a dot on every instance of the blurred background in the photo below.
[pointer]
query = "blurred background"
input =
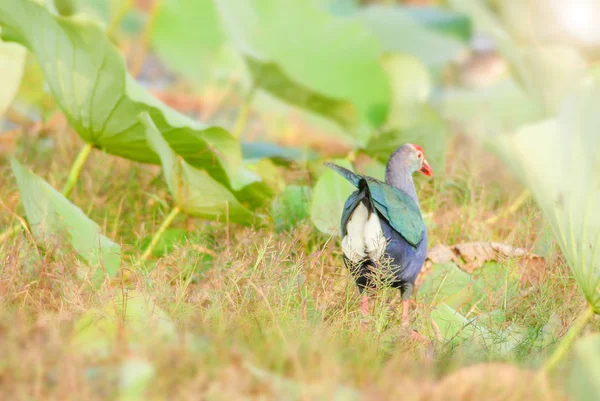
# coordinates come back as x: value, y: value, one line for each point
x: 301, y: 82
x: 334, y: 76
x: 382, y: 69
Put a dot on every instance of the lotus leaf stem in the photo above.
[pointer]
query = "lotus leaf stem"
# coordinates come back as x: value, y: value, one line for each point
x: 163, y: 227
x: 76, y: 169
x: 240, y: 124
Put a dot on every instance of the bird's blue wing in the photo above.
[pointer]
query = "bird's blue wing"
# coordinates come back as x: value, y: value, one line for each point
x: 399, y: 209
x: 395, y: 205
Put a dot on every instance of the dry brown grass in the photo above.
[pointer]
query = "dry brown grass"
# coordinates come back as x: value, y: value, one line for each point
x: 250, y: 314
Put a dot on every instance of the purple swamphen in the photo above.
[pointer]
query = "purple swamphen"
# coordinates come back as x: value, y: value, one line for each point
x: 382, y: 225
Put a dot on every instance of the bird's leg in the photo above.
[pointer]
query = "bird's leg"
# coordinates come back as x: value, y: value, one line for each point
x: 405, y: 322
x: 406, y: 293
x: 363, y: 289
x: 364, y: 308
x: 405, y: 310
x: 365, y: 305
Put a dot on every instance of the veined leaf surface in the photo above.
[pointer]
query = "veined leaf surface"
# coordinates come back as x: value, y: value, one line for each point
x: 336, y: 59
x: 557, y: 159
x: 54, y: 220
x: 194, y: 190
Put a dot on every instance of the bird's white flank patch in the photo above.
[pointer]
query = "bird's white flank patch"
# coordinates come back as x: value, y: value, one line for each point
x: 364, y: 236
x: 353, y: 244
x: 375, y: 242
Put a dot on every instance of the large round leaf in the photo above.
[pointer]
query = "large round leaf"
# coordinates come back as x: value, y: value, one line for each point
x: 551, y: 72
x: 558, y: 160
x: 334, y: 58
x: 188, y: 36
x: 272, y: 79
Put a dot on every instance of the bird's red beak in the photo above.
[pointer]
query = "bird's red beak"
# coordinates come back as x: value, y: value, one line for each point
x: 426, y: 169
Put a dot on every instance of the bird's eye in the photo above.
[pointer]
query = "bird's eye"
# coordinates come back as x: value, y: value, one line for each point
x: 420, y: 155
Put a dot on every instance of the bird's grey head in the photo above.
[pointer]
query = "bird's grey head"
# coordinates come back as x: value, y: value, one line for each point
x: 402, y: 164
x: 407, y: 159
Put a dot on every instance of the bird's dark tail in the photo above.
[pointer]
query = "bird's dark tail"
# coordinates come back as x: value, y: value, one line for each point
x: 344, y: 172
x: 364, y: 194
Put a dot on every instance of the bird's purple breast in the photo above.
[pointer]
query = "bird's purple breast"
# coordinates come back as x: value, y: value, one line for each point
x: 406, y: 261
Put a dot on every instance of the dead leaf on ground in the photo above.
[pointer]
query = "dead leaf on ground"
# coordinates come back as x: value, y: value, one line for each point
x: 471, y: 255
x: 533, y: 270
